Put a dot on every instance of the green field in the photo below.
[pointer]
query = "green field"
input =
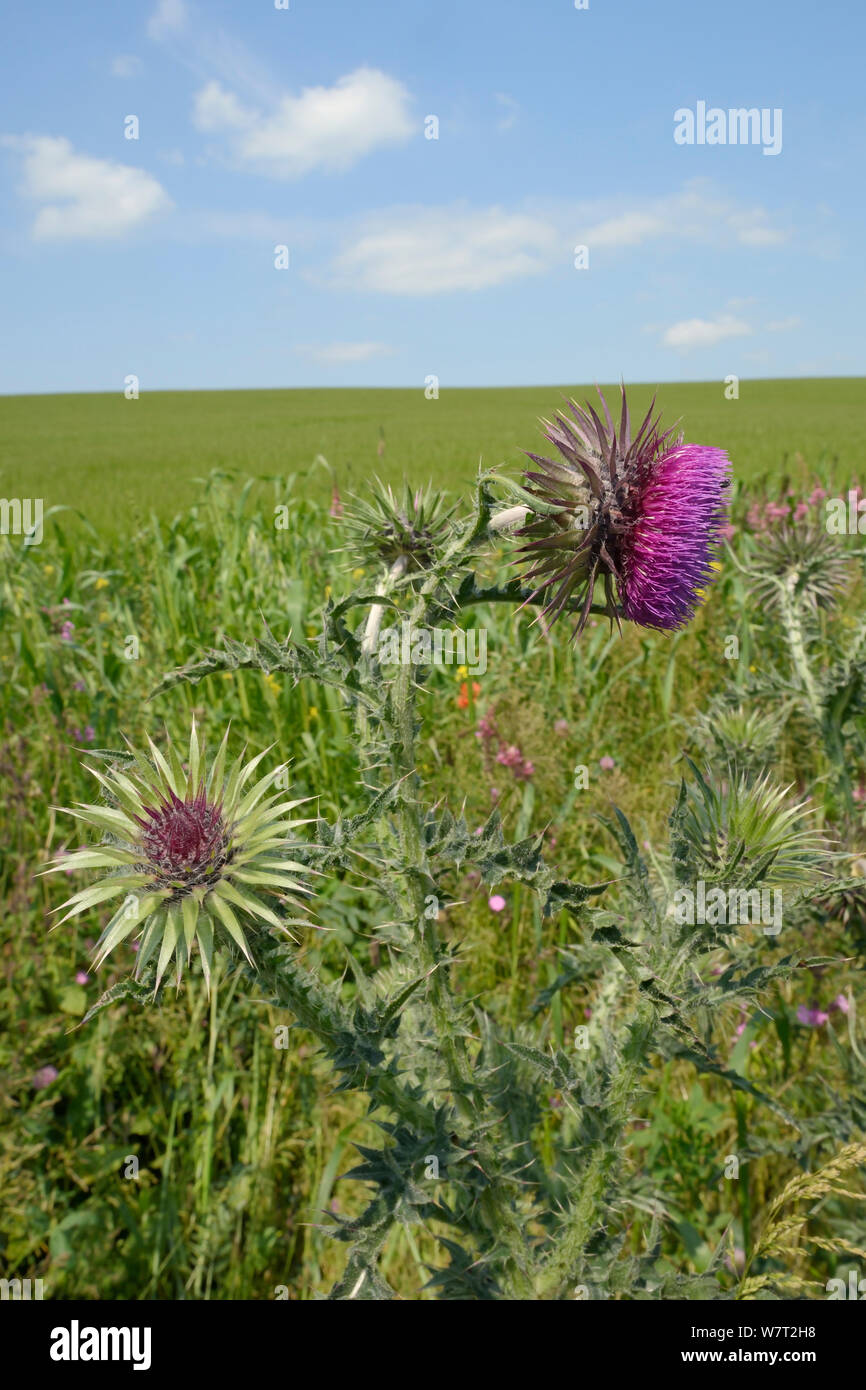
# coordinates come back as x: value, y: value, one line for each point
x: 242, y: 1147
x: 117, y: 459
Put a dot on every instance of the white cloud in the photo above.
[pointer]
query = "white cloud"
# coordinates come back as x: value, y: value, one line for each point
x: 327, y: 128
x: 696, y: 214
x: 337, y: 354
x: 83, y: 197
x: 698, y: 333
x: 422, y: 251
x: 629, y: 229
x: 125, y: 65
x: 784, y: 325
x: 169, y: 17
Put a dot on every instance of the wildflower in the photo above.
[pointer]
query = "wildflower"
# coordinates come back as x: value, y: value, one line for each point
x: 78, y: 685
x: 640, y: 513
x: 313, y: 712
x: 486, y: 729
x: 512, y: 757
x: 462, y: 672
x: 358, y: 573
x: 67, y: 632
x: 48, y: 570
x: 101, y: 583
x: 336, y: 507
x: 606, y: 763
x: 463, y: 697
x: 509, y: 757
x: 89, y: 734
x: 82, y: 977
x: 496, y: 903
x: 812, y: 1017
x: 44, y: 1077
x: 840, y: 1004
x: 562, y: 728
x: 105, y: 616
x: 272, y: 683
x: 190, y: 853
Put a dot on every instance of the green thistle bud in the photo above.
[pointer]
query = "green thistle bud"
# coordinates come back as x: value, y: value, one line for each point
x: 400, y: 530
x: 190, y: 852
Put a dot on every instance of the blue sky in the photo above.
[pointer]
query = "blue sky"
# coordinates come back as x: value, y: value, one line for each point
x: 409, y: 257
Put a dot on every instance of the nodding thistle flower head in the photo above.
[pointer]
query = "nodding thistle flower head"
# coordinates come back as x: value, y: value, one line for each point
x: 641, y: 513
x: 190, y: 851
x: 402, y: 530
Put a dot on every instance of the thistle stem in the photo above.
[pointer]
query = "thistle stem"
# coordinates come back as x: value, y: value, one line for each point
x: 792, y: 621
x: 374, y: 617
x: 497, y: 1203
x: 515, y: 593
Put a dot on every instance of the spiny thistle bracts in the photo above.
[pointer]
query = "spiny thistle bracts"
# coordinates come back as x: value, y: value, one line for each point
x: 190, y: 853
x: 390, y: 528
x: 641, y: 513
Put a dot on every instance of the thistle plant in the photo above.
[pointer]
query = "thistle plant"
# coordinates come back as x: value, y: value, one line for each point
x: 191, y: 850
x: 642, y: 513
x: 445, y: 1076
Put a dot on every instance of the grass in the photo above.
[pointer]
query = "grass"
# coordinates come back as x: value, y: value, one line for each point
x: 239, y: 1145
x: 116, y: 460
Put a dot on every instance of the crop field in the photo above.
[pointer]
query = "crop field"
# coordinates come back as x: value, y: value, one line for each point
x: 119, y: 460
x: 561, y: 1086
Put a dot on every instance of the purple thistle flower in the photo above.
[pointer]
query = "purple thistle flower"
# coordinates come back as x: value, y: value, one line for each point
x: 192, y: 856
x: 185, y: 843
x: 641, y: 513
x: 678, y: 516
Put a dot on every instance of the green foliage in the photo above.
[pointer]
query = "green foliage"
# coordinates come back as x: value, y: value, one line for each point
x: 541, y: 1099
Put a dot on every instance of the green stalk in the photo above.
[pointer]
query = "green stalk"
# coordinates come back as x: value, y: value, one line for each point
x: 792, y: 621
